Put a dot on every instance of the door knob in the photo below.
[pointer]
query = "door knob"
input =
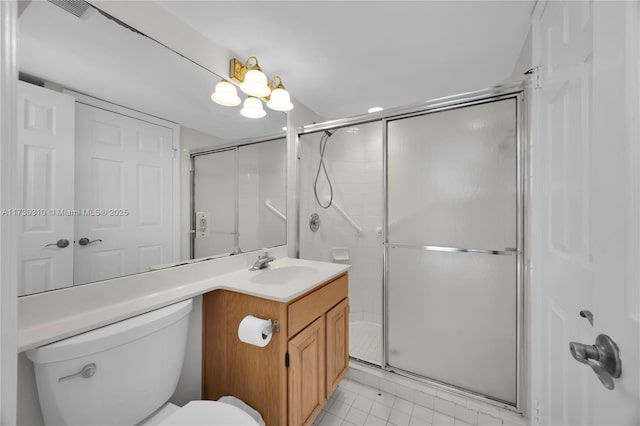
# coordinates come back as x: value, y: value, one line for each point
x: 61, y: 243
x: 603, y: 358
x: 85, y: 241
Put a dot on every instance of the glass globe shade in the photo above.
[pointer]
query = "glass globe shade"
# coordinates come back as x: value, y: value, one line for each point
x: 280, y: 100
x: 255, y: 84
x: 225, y: 94
x: 252, y: 108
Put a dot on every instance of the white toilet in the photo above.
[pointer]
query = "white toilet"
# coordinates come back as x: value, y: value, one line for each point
x: 124, y: 374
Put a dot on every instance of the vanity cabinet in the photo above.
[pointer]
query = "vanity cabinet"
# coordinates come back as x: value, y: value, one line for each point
x: 289, y: 380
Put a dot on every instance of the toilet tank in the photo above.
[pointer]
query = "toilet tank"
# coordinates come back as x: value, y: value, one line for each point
x: 137, y: 367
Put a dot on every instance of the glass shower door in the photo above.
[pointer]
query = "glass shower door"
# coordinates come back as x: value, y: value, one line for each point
x: 452, y: 247
x: 214, y: 203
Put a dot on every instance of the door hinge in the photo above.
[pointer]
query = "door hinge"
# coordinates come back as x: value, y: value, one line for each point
x: 534, y: 72
x: 286, y: 360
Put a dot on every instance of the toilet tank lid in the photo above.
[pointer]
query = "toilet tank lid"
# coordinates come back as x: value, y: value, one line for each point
x: 111, y: 335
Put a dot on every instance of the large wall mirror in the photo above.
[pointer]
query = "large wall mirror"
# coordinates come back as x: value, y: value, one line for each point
x: 108, y: 122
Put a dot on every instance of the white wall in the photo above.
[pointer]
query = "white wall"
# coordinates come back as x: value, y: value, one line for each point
x: 353, y: 159
x: 8, y: 261
x: 29, y: 413
x: 190, y: 384
x: 524, y: 62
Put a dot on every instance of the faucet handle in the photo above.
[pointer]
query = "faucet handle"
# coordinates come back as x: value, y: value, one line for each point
x: 265, y: 253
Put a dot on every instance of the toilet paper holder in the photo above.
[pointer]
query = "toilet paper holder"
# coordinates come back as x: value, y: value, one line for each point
x: 273, y: 328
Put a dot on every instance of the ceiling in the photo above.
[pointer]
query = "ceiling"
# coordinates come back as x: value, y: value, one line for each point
x: 340, y: 58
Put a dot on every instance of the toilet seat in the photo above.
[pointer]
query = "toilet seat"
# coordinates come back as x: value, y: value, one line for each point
x: 209, y: 413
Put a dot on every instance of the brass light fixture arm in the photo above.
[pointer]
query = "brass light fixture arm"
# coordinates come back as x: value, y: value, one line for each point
x: 238, y: 69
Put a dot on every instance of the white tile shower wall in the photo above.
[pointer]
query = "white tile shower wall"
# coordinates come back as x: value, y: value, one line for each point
x: 273, y: 183
x: 353, y: 158
x: 248, y: 198
x: 262, y: 177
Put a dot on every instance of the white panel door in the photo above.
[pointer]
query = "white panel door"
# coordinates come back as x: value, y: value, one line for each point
x: 585, y: 201
x: 124, y: 191
x: 45, y: 170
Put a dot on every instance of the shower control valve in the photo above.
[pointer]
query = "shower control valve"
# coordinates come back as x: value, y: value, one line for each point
x: 314, y: 222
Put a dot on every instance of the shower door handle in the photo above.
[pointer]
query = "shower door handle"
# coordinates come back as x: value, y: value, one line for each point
x: 603, y: 358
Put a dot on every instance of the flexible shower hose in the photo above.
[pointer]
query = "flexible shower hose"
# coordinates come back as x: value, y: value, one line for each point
x: 321, y: 166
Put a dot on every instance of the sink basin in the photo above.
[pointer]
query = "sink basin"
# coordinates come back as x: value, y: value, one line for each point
x: 283, y: 274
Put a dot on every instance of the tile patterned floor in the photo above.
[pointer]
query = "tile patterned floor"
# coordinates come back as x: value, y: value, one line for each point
x: 355, y: 404
x: 365, y: 341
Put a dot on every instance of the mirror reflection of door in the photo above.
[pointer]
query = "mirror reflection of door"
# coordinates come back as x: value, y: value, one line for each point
x: 124, y: 169
x: 118, y: 216
x: 45, y: 166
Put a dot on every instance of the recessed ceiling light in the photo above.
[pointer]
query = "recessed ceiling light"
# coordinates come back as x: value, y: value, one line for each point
x: 375, y: 109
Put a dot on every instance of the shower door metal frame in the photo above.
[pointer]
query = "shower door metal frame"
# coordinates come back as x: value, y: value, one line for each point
x: 233, y: 146
x: 192, y: 172
x: 517, y: 91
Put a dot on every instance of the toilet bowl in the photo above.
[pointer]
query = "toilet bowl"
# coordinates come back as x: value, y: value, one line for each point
x: 124, y: 373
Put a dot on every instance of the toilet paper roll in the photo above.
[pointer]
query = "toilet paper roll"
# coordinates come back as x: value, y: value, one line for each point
x: 251, y: 330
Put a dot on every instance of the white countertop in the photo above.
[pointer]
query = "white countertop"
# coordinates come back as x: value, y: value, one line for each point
x: 47, y: 317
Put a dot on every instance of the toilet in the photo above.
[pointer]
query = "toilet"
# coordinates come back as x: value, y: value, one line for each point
x: 124, y: 374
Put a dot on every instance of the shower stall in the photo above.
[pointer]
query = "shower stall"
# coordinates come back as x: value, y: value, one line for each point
x: 426, y: 205
x: 238, y: 197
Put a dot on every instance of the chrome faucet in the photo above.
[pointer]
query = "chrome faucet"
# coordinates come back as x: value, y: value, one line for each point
x: 263, y: 261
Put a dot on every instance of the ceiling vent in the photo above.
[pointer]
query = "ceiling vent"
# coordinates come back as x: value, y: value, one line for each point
x: 74, y: 7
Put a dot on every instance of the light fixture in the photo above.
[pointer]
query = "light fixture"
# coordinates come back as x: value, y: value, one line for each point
x: 280, y: 99
x: 375, y: 109
x: 253, y: 82
x: 252, y: 108
x: 226, y: 94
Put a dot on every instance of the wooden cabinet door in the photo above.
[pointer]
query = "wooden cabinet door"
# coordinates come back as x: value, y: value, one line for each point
x: 337, y: 345
x: 307, y: 374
